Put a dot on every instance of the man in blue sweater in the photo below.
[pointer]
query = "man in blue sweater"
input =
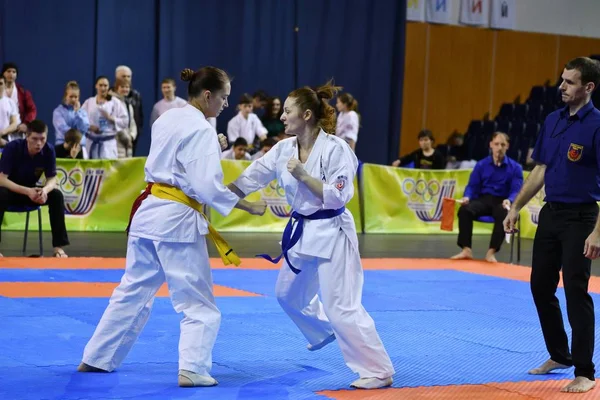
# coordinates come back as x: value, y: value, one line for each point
x: 493, y: 186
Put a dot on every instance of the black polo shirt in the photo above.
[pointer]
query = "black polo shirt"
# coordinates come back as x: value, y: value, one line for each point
x: 24, y: 169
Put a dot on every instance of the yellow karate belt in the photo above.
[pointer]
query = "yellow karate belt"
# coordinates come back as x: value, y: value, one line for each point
x: 167, y: 192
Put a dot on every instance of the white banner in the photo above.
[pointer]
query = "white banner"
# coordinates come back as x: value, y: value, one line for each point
x: 503, y: 14
x: 475, y: 12
x: 438, y: 11
x: 415, y: 10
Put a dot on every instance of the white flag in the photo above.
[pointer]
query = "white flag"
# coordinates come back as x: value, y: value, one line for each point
x: 415, y: 10
x: 438, y: 11
x: 503, y: 14
x: 474, y: 12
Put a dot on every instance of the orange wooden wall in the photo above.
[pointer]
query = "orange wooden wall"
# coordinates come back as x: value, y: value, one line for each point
x: 454, y: 74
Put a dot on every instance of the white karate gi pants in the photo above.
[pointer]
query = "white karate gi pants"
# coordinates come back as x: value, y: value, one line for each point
x: 185, y: 267
x: 339, y: 310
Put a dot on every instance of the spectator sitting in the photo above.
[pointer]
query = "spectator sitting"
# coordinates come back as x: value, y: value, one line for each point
x: 266, y: 145
x: 453, y: 150
x: 426, y: 157
x: 21, y: 166
x: 238, y: 151
x: 71, y: 147
x: 493, y: 186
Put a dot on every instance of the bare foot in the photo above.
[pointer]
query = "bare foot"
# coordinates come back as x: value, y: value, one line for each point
x: 60, y: 253
x: 547, y: 367
x: 465, y: 254
x: 580, y: 384
x: 490, y: 256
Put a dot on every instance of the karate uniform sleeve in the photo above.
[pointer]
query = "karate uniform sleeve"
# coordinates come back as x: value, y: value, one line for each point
x: 260, y: 173
x: 233, y: 130
x: 338, y: 189
x: 121, y: 117
x: 199, y: 156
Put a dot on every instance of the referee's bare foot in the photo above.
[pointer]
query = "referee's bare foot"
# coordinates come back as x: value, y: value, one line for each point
x: 547, y: 367
x: 465, y: 254
x: 490, y: 256
x: 580, y: 384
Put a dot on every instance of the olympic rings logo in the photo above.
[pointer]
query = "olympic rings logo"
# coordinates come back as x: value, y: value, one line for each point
x: 274, y: 190
x: 69, y: 181
x: 421, y: 189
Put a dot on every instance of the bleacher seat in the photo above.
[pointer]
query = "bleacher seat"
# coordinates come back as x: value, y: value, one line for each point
x: 537, y: 95
x: 535, y: 112
x: 520, y: 113
x: 472, y: 137
x: 506, y: 112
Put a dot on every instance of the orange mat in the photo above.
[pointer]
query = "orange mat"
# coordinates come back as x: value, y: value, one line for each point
x: 90, y: 289
x: 547, y: 390
x: 500, y: 270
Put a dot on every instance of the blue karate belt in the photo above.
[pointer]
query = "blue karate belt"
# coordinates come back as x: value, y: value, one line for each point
x: 98, y: 141
x: 289, y: 240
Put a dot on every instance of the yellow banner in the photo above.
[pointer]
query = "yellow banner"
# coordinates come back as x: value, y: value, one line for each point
x: 398, y: 200
x: 278, y: 211
x: 98, y: 195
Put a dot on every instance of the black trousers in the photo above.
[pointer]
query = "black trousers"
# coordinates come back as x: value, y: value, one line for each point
x: 56, y: 209
x: 486, y: 205
x: 559, y: 241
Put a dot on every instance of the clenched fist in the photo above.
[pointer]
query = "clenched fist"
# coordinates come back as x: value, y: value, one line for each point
x: 294, y: 167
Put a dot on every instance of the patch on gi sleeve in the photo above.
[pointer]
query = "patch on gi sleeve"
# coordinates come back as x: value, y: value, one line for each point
x: 340, y: 182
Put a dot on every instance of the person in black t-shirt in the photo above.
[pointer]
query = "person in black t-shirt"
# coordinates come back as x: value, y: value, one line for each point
x: 426, y: 157
x: 71, y: 148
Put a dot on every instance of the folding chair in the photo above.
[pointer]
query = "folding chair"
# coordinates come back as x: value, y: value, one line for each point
x: 28, y: 209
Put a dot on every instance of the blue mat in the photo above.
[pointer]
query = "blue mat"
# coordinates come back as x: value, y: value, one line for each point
x: 440, y: 327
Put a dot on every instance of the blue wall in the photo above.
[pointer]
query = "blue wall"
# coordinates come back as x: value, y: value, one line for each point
x: 360, y: 43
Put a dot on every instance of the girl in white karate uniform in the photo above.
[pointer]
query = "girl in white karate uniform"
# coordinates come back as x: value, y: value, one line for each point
x: 107, y: 116
x: 316, y: 171
x: 348, y: 120
x: 167, y: 236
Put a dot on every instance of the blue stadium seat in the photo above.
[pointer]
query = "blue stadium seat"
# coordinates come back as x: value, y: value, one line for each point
x: 537, y: 95
x: 520, y: 113
x: 506, y: 112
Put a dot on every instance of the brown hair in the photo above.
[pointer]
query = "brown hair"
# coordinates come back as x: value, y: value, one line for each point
x: 245, y: 99
x: 588, y: 68
x: 73, y: 85
x: 170, y: 81
x: 349, y: 101
x: 206, y: 78
x: 72, y: 137
x: 120, y: 82
x: 496, y: 134
x: 316, y: 100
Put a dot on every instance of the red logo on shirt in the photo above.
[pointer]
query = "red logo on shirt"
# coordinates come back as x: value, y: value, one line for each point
x: 340, y: 182
x: 575, y: 152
